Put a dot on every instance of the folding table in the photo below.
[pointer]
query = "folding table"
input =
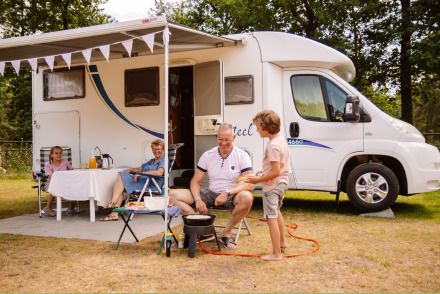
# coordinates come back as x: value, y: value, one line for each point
x: 172, y: 212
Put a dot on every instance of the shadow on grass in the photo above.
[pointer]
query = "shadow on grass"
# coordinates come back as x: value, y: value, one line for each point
x: 413, y: 211
x: 311, y: 205
x: 344, y: 207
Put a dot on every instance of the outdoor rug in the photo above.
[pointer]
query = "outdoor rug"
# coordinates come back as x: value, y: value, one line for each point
x: 79, y: 226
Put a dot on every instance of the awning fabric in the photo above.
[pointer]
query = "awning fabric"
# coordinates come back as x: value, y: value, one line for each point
x: 119, y: 38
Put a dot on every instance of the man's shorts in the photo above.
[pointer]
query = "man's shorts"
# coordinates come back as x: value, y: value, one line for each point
x: 209, y: 198
x: 273, y: 200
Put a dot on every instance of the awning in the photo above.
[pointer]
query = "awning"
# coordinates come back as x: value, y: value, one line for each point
x: 74, y: 40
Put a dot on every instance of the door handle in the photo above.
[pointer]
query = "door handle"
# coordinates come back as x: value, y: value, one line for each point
x: 294, y: 129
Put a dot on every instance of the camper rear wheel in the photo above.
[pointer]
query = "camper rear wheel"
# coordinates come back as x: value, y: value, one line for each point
x: 372, y: 187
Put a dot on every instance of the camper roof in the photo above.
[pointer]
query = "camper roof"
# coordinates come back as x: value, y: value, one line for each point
x: 288, y: 50
x: 74, y: 40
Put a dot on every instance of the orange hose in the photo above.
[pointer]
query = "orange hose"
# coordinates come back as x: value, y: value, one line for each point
x: 294, y: 226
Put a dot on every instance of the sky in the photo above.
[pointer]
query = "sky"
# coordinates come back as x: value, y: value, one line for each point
x: 124, y: 10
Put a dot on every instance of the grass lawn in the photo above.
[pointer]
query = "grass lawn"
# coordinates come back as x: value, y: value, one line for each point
x: 357, y: 254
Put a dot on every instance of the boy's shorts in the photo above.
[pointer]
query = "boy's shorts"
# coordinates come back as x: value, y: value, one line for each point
x: 209, y: 198
x: 273, y: 200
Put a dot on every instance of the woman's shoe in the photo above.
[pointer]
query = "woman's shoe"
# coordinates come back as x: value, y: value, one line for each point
x: 111, y: 205
x: 49, y: 213
x: 110, y: 217
x: 70, y: 211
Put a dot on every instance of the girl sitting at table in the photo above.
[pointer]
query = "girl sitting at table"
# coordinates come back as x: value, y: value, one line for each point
x: 56, y: 163
x: 129, y: 182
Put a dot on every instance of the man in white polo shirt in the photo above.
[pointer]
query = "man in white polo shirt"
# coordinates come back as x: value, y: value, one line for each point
x: 224, y: 164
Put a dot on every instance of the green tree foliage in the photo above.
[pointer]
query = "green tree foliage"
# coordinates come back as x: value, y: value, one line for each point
x: 6, y: 127
x: 25, y: 17
x: 394, y: 44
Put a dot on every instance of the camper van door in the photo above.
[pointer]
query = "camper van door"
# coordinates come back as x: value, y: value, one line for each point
x: 314, y: 103
x: 56, y: 128
x: 208, y: 105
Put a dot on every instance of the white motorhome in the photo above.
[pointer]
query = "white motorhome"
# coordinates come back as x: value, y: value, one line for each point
x: 339, y: 140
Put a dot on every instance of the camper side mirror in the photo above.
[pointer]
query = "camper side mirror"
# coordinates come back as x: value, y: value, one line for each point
x: 352, y: 109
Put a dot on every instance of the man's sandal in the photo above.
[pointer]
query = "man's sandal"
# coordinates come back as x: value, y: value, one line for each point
x: 110, y: 217
x: 226, y: 241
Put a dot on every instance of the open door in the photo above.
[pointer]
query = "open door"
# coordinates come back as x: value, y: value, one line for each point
x: 208, y: 105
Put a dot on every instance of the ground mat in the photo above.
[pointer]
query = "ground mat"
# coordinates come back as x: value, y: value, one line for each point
x: 79, y: 226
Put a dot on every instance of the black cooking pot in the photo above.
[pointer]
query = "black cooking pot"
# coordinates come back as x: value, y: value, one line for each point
x: 198, y: 219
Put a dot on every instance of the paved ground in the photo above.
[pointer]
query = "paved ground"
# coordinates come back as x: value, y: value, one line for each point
x: 78, y: 226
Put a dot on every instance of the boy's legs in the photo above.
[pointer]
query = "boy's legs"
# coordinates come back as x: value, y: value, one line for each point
x: 272, y: 202
x: 275, y: 238
x: 281, y: 226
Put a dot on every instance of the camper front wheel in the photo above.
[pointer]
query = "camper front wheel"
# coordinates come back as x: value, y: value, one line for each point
x: 372, y: 187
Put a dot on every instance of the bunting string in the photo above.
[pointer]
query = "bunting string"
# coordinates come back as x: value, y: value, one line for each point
x: 87, y: 53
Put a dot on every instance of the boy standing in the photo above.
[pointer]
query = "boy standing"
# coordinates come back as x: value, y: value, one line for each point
x: 275, y: 179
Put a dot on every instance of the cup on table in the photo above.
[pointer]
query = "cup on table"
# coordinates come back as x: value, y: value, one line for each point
x: 83, y: 165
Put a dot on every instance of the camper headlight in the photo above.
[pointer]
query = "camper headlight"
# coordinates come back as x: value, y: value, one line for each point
x: 405, y: 128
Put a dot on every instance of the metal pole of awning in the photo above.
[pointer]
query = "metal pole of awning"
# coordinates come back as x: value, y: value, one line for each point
x: 165, y: 133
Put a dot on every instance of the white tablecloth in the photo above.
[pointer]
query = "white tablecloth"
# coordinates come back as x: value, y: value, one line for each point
x: 84, y: 184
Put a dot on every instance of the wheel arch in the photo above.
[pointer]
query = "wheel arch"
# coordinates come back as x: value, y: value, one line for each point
x: 388, y: 161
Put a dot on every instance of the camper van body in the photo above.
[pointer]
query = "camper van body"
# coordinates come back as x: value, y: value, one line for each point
x: 373, y: 159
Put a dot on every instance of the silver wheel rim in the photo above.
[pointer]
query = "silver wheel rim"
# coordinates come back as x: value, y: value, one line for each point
x: 372, y: 187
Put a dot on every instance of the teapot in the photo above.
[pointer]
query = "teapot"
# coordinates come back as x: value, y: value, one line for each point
x: 106, y: 161
x: 98, y: 158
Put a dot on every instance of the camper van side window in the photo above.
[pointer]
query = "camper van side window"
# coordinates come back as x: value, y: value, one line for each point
x: 142, y: 87
x: 308, y: 97
x: 335, y: 100
x: 63, y: 83
x: 239, y: 90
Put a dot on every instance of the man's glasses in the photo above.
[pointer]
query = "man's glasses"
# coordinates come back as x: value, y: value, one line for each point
x: 224, y: 139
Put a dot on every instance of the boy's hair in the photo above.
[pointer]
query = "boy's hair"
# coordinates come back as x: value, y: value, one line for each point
x: 158, y: 142
x: 52, y: 150
x: 269, y: 121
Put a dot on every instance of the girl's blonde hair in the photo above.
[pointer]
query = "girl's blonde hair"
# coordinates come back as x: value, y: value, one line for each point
x: 52, y: 150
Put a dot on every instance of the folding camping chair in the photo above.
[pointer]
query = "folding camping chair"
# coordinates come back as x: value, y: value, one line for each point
x: 242, y: 225
x: 43, y: 180
x: 137, y: 195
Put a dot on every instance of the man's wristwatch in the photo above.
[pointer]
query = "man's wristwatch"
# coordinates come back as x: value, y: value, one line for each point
x: 228, y: 192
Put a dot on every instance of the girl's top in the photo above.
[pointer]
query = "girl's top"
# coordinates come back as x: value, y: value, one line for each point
x: 50, y: 168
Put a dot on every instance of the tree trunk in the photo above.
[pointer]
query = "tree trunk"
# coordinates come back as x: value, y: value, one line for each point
x: 405, y: 63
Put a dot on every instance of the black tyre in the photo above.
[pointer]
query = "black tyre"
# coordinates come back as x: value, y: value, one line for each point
x: 372, y: 187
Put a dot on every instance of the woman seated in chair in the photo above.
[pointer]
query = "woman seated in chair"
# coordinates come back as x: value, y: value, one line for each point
x: 126, y: 181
